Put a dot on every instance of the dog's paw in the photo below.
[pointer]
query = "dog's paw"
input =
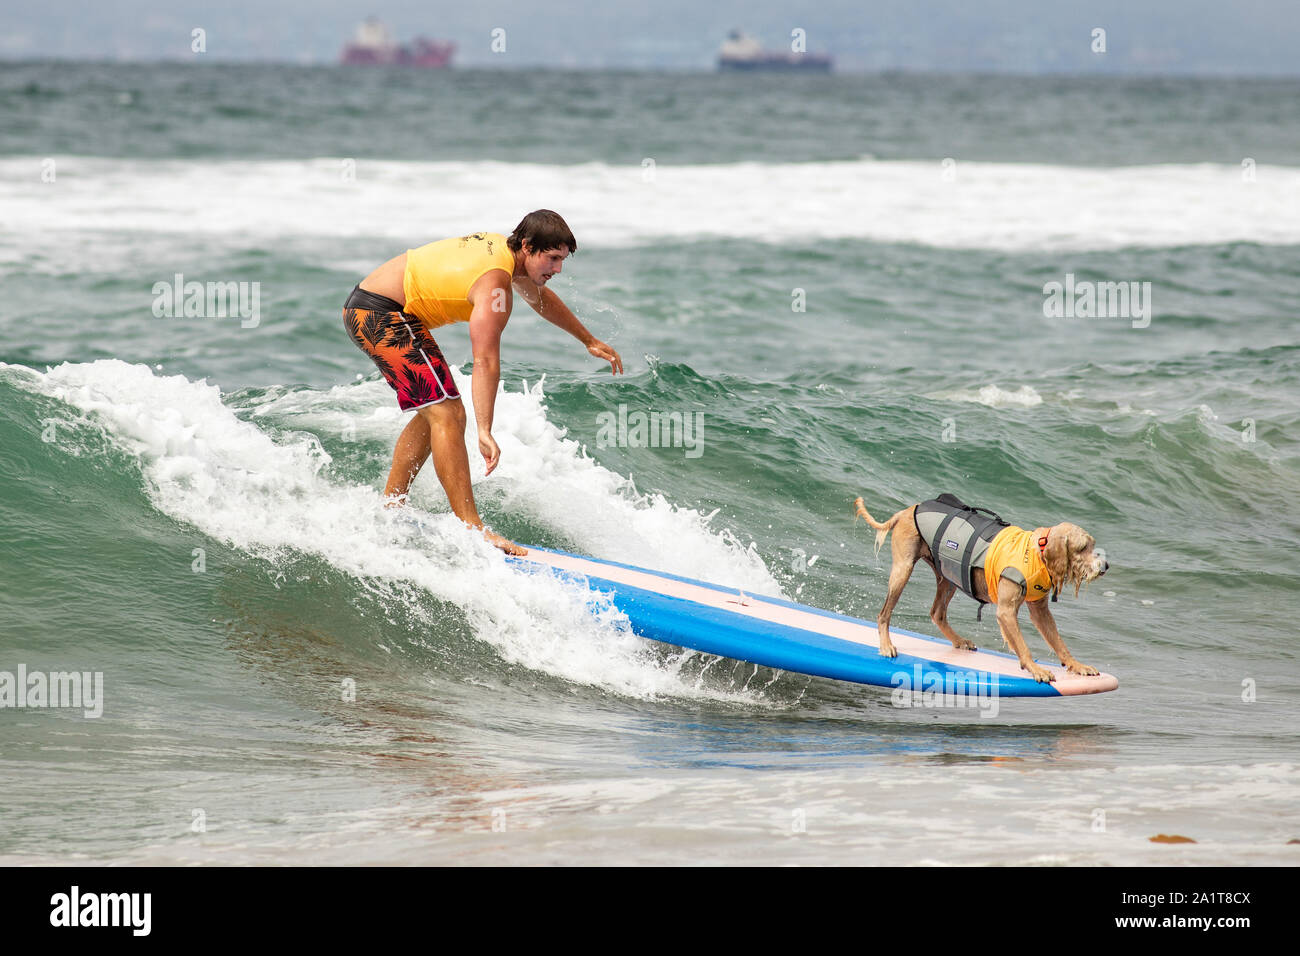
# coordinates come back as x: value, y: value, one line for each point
x: 965, y: 645
x: 1083, y: 670
x: 887, y: 649
x: 1040, y: 674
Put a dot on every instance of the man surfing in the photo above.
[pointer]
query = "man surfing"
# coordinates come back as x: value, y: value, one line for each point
x: 471, y: 279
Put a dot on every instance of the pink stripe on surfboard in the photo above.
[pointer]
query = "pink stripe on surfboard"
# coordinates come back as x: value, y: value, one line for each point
x: 863, y: 633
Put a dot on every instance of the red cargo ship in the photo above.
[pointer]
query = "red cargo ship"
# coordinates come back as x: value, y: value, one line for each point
x: 373, y: 46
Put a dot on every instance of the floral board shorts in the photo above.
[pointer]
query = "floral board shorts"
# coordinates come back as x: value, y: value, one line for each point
x: 401, y: 348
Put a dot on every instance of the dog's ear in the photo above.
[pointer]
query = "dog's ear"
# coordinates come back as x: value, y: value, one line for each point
x: 1055, y: 556
x: 1080, y: 546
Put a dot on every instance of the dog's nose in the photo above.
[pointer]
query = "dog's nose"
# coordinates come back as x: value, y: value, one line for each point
x: 1105, y: 566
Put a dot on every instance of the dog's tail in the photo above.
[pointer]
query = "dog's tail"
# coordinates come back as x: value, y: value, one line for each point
x: 882, y: 529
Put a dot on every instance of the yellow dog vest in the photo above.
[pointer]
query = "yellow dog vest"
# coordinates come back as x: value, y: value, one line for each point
x: 1014, y: 553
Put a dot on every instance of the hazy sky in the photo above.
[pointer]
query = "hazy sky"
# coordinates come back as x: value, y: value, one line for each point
x: 1142, y: 36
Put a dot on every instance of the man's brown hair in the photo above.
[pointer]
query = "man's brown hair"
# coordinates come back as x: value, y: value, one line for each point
x: 542, y: 230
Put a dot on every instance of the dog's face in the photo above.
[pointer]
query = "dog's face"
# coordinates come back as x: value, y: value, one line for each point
x: 1073, y: 556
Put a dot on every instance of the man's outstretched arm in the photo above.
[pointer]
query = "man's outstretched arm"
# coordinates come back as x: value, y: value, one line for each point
x: 549, y: 306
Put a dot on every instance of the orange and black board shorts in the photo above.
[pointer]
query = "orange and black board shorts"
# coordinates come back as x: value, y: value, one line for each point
x: 401, y: 348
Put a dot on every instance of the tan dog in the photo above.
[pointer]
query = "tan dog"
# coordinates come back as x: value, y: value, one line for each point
x: 1068, y: 553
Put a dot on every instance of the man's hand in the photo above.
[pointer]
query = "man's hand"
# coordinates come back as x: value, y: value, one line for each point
x: 603, y: 351
x: 548, y: 305
x: 487, y: 447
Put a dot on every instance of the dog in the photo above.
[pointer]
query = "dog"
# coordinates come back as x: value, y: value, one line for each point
x: 1029, y: 565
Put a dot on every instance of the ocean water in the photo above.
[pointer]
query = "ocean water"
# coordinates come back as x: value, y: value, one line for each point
x: 844, y: 276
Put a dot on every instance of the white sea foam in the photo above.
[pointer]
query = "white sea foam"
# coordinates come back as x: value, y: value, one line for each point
x: 204, y: 466
x: 547, y: 476
x: 1005, y: 206
x: 994, y: 396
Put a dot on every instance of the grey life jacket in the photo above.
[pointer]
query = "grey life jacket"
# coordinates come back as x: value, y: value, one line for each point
x: 958, y: 537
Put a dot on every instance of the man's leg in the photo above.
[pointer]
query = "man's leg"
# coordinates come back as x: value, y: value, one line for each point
x: 440, y: 430
x: 409, y: 455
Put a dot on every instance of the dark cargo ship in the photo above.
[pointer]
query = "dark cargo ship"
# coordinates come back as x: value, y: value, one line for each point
x: 740, y: 51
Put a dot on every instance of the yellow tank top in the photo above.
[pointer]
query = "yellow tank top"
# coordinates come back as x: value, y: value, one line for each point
x: 439, y: 275
x: 1015, y: 550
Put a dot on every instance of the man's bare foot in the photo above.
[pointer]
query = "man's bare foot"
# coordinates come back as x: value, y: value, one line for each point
x: 505, y: 544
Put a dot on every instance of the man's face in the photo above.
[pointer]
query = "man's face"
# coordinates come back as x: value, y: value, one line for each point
x: 540, y: 266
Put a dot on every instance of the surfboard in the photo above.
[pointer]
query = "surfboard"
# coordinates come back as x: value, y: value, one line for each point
x: 796, y: 637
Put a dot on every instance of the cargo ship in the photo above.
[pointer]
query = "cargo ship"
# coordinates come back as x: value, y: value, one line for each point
x: 373, y: 46
x: 740, y: 51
